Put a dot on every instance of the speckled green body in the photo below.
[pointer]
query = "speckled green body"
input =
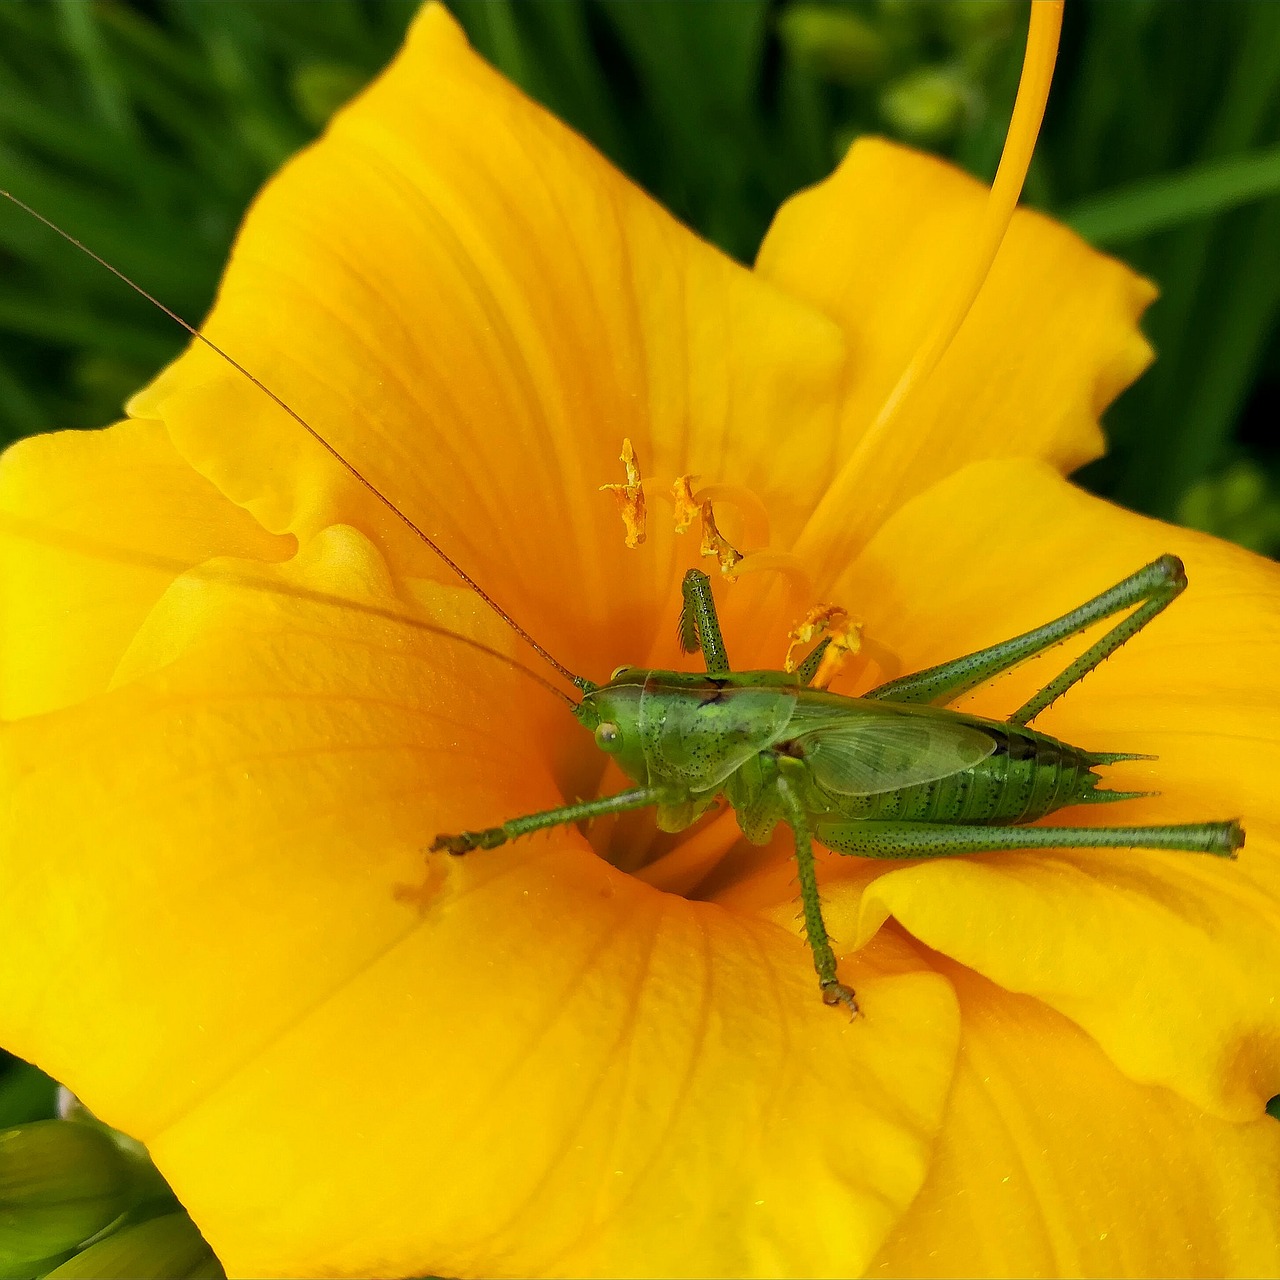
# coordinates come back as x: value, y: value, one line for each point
x: 696, y: 736
x: 891, y: 774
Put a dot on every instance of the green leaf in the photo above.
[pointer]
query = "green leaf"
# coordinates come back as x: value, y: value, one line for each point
x: 26, y: 1093
x: 60, y: 1184
x: 165, y: 1248
x: 1169, y: 200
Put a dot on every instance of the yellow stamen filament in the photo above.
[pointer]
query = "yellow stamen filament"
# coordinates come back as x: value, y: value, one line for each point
x: 715, y: 544
x: 630, y: 497
x: 754, y: 513
x: 790, y: 566
x: 687, y: 496
x: 887, y: 663
x: 1024, y: 128
x: 842, y: 647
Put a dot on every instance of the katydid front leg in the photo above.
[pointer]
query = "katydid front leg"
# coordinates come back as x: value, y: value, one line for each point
x: 492, y: 837
x: 700, y: 624
x: 700, y: 629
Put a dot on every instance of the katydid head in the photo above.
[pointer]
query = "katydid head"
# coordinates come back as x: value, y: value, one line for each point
x: 612, y: 712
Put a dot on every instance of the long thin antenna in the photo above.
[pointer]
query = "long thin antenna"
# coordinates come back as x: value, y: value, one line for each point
x: 577, y: 681
x: 82, y: 544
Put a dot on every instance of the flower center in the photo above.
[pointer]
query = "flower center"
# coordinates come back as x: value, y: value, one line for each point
x: 695, y: 502
x: 679, y: 863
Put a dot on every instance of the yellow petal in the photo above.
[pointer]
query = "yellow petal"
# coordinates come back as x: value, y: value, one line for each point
x: 1052, y: 1163
x: 1050, y: 341
x: 219, y: 933
x: 476, y: 309
x: 94, y: 525
x: 1171, y: 961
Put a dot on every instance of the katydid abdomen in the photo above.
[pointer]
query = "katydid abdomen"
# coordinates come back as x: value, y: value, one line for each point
x: 1028, y: 776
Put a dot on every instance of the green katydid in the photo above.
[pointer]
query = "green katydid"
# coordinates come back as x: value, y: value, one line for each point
x: 891, y: 774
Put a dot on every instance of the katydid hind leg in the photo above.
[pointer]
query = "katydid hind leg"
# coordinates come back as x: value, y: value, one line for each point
x: 565, y: 815
x: 824, y: 958
x: 888, y: 839
x: 1152, y: 589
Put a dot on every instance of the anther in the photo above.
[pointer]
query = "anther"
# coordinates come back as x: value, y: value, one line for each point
x: 630, y: 497
x: 714, y: 543
x: 845, y: 640
x: 688, y: 509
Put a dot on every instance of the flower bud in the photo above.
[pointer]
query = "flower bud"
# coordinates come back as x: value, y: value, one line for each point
x: 926, y: 105
x: 60, y: 1184
x: 165, y: 1248
x: 838, y: 45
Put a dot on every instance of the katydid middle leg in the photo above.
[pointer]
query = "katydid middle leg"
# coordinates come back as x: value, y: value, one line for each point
x: 824, y: 958
x: 1153, y: 588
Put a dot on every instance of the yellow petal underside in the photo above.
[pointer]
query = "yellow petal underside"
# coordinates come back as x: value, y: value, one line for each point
x: 94, y: 526
x: 476, y: 309
x: 1171, y: 961
x: 1050, y: 341
x: 1052, y: 1163
x: 520, y: 1062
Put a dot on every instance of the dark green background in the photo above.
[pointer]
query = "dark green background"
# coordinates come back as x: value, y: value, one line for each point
x: 146, y: 127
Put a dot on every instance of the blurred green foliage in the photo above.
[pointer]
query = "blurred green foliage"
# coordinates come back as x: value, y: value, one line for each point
x: 145, y: 127
x: 80, y: 1199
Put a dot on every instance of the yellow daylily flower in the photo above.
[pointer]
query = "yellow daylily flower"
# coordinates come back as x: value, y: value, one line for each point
x: 217, y: 927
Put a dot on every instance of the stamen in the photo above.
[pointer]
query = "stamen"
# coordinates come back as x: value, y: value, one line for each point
x: 688, y: 496
x: 755, y: 514
x: 714, y: 543
x: 687, y: 506
x: 784, y: 562
x: 630, y: 497
x: 846, y: 640
x: 1024, y: 128
x: 841, y: 647
x: 887, y: 663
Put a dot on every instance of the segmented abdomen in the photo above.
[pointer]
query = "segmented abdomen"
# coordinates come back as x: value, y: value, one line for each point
x: 1029, y: 775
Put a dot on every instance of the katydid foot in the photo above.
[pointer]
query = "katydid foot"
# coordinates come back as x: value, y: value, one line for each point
x: 836, y: 992
x: 457, y: 845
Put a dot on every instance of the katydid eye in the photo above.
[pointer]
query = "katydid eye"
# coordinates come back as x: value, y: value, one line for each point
x: 607, y: 736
